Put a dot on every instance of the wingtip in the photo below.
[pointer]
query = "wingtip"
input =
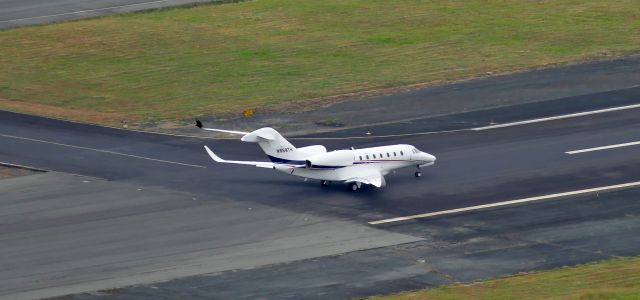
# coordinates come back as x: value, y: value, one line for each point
x: 212, y: 155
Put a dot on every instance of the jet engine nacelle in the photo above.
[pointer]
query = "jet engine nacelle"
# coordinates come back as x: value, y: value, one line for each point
x: 283, y: 168
x: 330, y: 160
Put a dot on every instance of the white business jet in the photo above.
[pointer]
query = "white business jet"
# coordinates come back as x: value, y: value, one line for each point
x: 354, y: 166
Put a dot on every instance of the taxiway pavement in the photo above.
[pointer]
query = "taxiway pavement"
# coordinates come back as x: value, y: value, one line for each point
x: 461, y: 248
x: 492, y: 165
x: 474, y: 167
x: 64, y: 234
x: 16, y: 13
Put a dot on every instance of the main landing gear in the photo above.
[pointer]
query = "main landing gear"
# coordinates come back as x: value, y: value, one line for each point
x: 325, y: 183
x: 354, y: 186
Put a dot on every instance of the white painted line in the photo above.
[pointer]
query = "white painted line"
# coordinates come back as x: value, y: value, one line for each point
x: 586, y: 113
x: 100, y: 150
x: 505, y: 203
x: 603, y: 148
x: 85, y: 11
x: 348, y: 137
x: 378, y: 136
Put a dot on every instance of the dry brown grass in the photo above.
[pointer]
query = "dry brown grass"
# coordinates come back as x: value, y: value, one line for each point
x: 8, y: 172
x: 83, y: 115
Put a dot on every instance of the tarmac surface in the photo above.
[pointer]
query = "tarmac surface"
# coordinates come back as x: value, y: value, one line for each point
x: 66, y: 233
x: 455, y: 249
x: 474, y: 167
x: 16, y: 13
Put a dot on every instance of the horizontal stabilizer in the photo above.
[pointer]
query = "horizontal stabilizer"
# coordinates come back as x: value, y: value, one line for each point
x: 259, y: 164
x: 199, y: 125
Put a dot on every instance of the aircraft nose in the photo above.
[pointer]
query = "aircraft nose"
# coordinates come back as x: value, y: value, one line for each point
x: 426, y: 157
x: 430, y: 158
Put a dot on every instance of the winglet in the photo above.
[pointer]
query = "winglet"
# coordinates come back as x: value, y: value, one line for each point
x: 213, y: 155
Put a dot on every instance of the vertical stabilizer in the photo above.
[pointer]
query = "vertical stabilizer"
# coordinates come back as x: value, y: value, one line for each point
x: 274, y: 145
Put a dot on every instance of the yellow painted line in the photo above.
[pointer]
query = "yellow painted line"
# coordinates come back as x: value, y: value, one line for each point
x: 505, y: 203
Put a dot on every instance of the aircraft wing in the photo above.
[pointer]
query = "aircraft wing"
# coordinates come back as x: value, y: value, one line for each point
x: 368, y: 176
x: 259, y: 164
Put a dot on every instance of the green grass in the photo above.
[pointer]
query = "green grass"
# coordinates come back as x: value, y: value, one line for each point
x: 611, y: 279
x: 219, y: 59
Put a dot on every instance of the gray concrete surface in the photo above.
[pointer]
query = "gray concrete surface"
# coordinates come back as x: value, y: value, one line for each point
x: 16, y: 13
x: 462, y: 248
x: 63, y: 234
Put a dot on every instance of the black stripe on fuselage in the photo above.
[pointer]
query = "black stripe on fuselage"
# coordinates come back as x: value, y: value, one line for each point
x: 285, y: 161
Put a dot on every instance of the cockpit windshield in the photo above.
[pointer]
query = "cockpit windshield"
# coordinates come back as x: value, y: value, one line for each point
x: 415, y: 151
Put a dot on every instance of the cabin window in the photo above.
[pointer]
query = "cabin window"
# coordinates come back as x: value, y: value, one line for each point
x: 381, y: 156
x: 367, y: 156
x: 374, y: 156
x: 388, y: 154
x: 401, y: 153
x: 360, y: 157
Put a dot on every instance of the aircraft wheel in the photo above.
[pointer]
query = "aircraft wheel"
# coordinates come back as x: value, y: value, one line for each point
x: 418, y: 174
x: 325, y: 183
x: 354, y: 186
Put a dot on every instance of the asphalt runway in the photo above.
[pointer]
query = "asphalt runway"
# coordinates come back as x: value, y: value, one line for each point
x: 474, y: 167
x: 461, y: 248
x: 491, y: 165
x: 64, y: 234
x: 16, y: 13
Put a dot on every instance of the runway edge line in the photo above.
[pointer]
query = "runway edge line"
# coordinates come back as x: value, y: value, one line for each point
x: 580, y: 114
x: 603, y: 148
x: 506, y: 203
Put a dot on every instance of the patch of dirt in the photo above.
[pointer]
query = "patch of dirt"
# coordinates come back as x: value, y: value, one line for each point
x: 11, y: 171
x: 113, y: 119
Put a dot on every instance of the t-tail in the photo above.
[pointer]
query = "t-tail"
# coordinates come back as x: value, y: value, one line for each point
x: 277, y: 148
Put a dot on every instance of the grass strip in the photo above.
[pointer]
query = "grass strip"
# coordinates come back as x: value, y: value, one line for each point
x: 177, y: 63
x: 610, y: 279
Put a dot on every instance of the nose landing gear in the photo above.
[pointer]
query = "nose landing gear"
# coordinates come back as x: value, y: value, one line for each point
x: 418, y: 174
x: 325, y: 183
